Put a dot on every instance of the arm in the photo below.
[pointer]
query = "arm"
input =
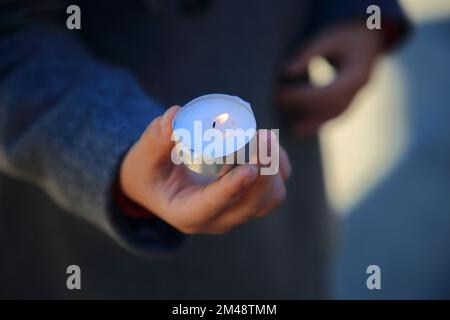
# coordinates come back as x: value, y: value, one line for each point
x: 66, y: 121
x: 345, y: 41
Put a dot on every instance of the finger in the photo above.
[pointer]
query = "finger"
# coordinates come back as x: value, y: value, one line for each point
x: 218, y: 195
x: 205, y: 203
x: 259, y: 200
x: 269, y: 151
x: 156, y: 139
x: 279, y: 198
x: 267, y: 143
x: 328, y: 101
x: 309, y: 101
x: 308, y: 128
x: 298, y: 64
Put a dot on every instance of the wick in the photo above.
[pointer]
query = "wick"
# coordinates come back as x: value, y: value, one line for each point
x: 214, y: 124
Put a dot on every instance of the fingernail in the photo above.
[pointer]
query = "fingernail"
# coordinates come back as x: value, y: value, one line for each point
x: 252, y: 174
x: 165, y: 119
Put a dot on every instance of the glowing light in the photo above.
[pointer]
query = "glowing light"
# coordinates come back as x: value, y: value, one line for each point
x: 222, y: 118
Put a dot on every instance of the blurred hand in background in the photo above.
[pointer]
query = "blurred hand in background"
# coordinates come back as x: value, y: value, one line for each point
x: 352, y: 49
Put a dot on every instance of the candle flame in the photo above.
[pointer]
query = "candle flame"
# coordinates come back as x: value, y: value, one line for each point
x: 222, y: 118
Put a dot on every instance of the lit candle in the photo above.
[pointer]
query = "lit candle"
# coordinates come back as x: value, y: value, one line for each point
x: 210, y: 131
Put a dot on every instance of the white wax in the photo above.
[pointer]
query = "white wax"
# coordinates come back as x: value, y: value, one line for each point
x: 219, y: 111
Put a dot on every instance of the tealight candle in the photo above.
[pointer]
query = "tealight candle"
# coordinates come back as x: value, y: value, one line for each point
x: 210, y: 130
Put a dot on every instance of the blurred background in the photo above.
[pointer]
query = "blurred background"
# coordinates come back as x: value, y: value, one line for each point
x: 380, y: 129
x: 387, y: 168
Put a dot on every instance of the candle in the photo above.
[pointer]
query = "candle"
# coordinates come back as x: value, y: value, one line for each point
x: 212, y: 132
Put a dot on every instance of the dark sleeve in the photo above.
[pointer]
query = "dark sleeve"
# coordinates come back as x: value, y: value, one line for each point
x: 66, y: 121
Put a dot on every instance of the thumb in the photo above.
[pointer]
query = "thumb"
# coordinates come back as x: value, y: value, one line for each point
x: 219, y: 194
x: 156, y: 139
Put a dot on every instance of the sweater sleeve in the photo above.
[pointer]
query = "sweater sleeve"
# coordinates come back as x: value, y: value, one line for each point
x: 66, y: 121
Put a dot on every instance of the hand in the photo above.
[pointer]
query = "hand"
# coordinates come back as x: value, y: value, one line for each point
x: 353, y: 49
x: 149, y: 177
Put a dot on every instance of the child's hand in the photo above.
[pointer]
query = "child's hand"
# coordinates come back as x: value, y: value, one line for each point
x: 353, y: 49
x: 149, y: 178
